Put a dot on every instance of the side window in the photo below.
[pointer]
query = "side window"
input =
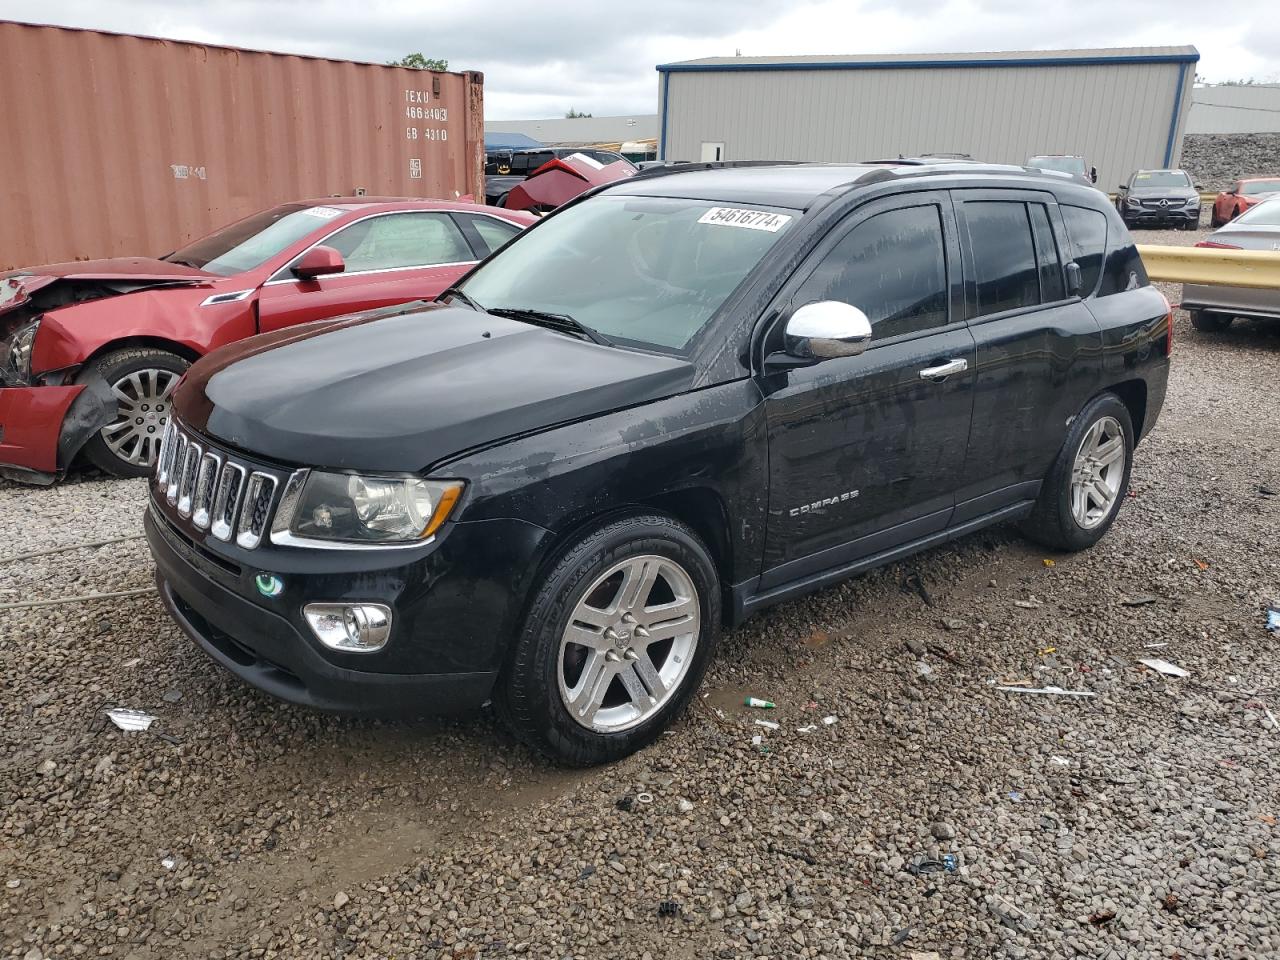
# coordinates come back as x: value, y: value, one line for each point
x: 1088, y: 232
x: 1052, y: 286
x: 1122, y: 270
x: 400, y: 240
x: 1004, y: 267
x: 492, y: 231
x: 892, y: 266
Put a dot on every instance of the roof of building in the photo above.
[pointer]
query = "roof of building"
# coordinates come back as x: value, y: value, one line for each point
x: 1002, y: 58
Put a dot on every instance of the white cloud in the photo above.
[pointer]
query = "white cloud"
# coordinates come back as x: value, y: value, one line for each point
x: 541, y: 59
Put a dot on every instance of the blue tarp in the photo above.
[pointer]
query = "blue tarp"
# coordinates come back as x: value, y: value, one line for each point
x: 509, y: 141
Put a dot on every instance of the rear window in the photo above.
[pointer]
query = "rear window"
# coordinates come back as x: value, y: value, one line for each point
x: 1265, y: 214
x: 1088, y: 232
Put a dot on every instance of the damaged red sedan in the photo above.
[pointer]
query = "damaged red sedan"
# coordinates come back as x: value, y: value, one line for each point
x: 90, y: 350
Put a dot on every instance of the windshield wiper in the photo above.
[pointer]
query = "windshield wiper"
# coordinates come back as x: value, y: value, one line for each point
x: 186, y: 263
x: 554, y: 321
x: 458, y: 294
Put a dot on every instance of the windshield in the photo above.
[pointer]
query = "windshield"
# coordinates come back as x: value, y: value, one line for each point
x: 1265, y: 214
x: 254, y: 240
x: 1253, y: 188
x: 1064, y: 164
x: 652, y: 270
x: 1147, y: 179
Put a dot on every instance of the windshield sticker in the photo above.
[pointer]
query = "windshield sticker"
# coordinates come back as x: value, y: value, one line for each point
x: 748, y: 219
x: 324, y: 213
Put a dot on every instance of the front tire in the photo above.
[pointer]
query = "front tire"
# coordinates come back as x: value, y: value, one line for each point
x: 615, y: 642
x: 1088, y: 481
x: 142, y: 379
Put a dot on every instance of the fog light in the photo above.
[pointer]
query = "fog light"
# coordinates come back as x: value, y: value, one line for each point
x: 350, y: 627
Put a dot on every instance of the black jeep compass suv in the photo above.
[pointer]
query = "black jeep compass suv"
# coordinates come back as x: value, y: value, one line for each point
x: 673, y: 402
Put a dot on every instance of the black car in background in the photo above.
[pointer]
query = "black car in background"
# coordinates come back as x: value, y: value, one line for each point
x: 673, y: 402
x: 1159, y: 198
x: 1075, y: 165
x: 504, y: 169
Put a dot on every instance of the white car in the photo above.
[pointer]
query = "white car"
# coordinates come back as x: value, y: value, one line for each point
x: 1212, y: 308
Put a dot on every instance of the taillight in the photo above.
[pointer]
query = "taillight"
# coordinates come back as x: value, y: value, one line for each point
x: 1218, y: 246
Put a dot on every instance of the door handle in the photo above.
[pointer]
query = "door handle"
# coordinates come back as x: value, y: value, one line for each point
x: 944, y: 370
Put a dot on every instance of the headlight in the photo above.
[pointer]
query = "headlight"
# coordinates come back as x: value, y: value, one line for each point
x: 1193, y: 202
x: 354, y: 509
x: 20, y: 350
x: 1133, y: 201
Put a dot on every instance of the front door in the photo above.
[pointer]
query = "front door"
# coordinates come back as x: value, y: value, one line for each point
x: 866, y: 452
x: 390, y: 258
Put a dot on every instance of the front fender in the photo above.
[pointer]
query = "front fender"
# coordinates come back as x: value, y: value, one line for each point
x: 705, y: 440
x: 70, y: 335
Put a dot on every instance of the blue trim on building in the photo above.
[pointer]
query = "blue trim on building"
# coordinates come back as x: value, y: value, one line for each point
x: 662, y: 136
x: 1183, y: 58
x: 1173, y: 121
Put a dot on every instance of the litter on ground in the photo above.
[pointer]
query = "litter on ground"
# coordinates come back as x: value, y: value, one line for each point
x: 130, y: 719
x: 1165, y: 667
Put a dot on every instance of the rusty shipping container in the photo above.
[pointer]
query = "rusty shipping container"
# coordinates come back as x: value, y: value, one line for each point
x: 113, y: 145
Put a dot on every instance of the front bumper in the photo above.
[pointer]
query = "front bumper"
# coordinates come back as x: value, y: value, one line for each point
x: 451, y: 618
x: 42, y: 428
x: 1149, y: 217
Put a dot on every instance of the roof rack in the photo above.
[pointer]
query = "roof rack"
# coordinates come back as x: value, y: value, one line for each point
x: 684, y: 166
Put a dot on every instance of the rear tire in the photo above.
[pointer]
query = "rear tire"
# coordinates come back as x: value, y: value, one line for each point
x: 1088, y: 481
x: 1207, y: 322
x: 1214, y: 219
x: 595, y: 675
x: 142, y: 379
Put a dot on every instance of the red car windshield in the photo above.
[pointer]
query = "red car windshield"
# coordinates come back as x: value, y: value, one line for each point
x: 1254, y: 188
x: 254, y: 240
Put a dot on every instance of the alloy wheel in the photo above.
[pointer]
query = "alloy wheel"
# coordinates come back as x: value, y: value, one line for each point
x: 629, y: 643
x: 1097, y: 473
x: 143, y: 397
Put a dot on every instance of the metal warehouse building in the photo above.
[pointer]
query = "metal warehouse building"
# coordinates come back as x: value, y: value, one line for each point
x: 1121, y: 108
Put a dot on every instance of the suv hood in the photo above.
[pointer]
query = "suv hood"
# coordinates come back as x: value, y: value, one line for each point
x: 400, y: 393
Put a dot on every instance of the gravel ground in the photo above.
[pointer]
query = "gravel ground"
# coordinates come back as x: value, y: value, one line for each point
x: 1139, y: 822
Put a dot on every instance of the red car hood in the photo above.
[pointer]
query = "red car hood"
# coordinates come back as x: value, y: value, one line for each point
x: 117, y: 268
x: 17, y: 286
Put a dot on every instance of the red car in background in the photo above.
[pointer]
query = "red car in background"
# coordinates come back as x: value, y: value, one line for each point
x: 1242, y: 195
x: 90, y: 350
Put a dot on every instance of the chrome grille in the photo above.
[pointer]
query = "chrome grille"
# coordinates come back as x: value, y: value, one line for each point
x: 187, y: 480
x: 213, y: 491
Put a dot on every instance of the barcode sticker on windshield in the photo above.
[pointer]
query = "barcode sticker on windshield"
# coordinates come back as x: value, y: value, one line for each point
x: 750, y: 219
x: 324, y: 213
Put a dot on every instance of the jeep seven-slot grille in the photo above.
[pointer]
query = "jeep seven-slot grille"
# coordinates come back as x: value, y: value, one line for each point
x: 213, y: 491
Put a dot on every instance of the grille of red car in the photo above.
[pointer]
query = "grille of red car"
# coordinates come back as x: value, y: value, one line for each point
x: 212, y: 490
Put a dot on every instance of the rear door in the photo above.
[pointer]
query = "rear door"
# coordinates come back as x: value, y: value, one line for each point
x: 1038, y: 349
x: 390, y: 258
x: 866, y: 452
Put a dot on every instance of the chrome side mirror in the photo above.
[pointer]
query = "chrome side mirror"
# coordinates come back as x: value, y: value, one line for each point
x: 829, y: 328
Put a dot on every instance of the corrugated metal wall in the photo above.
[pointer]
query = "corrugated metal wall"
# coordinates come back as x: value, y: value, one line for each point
x: 1117, y: 115
x: 118, y: 145
x: 1237, y: 109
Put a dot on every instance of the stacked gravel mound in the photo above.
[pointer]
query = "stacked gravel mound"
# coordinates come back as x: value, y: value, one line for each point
x: 1216, y: 159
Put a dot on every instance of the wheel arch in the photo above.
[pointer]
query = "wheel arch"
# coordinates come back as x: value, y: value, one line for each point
x: 155, y: 343
x: 1133, y: 394
x: 701, y: 509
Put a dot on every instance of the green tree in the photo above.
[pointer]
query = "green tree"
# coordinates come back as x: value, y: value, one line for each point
x: 416, y: 61
x: 575, y: 114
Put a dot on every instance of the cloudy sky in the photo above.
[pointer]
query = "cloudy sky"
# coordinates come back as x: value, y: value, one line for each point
x: 540, y: 59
